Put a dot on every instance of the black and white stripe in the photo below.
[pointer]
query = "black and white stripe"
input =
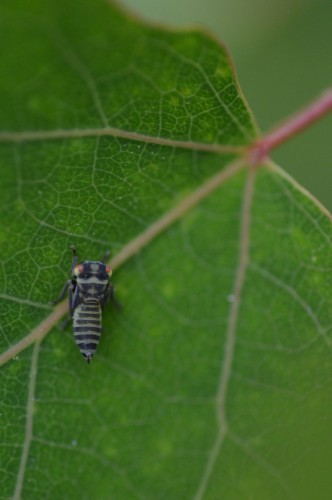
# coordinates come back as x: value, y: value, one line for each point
x: 87, y: 327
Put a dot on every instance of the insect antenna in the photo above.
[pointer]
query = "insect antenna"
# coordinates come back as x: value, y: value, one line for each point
x: 106, y: 256
x: 75, y: 258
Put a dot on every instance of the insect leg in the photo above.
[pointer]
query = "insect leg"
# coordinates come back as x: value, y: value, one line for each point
x: 65, y: 323
x: 63, y: 293
x: 113, y: 298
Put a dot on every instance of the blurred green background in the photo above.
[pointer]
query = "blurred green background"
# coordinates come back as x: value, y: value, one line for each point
x: 282, y: 51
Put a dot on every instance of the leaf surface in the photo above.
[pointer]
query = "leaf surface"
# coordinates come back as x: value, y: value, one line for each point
x: 214, y: 380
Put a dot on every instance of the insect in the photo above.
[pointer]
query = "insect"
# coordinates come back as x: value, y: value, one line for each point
x: 89, y: 289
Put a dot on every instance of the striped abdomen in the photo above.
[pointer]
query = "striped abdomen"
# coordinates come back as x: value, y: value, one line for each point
x: 87, y: 327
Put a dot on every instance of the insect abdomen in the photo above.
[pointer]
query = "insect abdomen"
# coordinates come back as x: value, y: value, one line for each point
x: 87, y: 327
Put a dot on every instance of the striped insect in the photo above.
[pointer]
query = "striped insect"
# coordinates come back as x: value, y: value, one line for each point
x: 89, y: 289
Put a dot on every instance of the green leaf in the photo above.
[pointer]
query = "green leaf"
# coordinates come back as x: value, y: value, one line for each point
x: 214, y: 381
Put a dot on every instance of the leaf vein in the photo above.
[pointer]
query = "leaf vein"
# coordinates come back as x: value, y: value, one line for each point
x: 40, y: 135
x: 29, y: 422
x: 227, y: 362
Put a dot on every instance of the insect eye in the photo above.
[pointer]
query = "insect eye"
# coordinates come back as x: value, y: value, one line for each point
x: 78, y: 269
x: 109, y: 270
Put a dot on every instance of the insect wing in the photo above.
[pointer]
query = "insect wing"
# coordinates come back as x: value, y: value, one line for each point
x: 74, y: 300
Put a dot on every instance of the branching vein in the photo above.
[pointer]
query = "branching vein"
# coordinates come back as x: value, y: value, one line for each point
x: 72, y: 58
x: 296, y: 297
